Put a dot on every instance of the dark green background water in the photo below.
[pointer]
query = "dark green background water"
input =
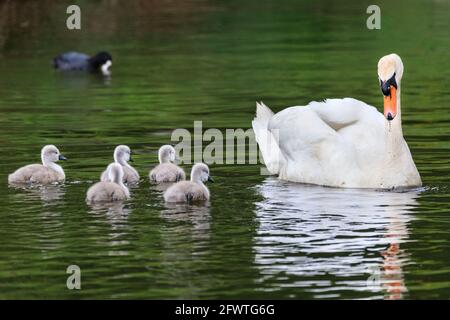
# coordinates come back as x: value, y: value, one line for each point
x: 180, y: 61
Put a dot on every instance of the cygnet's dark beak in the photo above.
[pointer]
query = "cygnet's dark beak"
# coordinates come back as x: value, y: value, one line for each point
x: 61, y: 157
x: 210, y: 179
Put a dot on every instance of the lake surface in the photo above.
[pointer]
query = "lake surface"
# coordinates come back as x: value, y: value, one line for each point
x: 179, y: 62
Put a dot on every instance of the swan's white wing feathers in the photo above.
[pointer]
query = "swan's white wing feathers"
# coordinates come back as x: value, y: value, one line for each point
x: 268, y: 143
x: 298, y: 128
x: 340, y: 113
x: 323, y: 140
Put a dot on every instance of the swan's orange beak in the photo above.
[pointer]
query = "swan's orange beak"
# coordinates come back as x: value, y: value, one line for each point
x: 390, y: 104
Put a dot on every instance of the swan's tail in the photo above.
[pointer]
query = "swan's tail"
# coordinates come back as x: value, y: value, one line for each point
x: 267, y: 140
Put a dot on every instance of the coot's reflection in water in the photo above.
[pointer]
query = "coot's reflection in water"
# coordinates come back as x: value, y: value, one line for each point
x: 331, y: 240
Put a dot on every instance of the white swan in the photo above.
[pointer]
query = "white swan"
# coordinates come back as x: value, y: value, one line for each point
x: 341, y: 142
x: 111, y: 190
x: 122, y: 154
x: 46, y: 173
x: 191, y: 191
x: 166, y: 171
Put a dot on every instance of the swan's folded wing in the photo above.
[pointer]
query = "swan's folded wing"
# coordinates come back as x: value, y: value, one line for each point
x: 341, y: 113
x: 268, y: 144
x: 326, y: 131
x: 300, y: 131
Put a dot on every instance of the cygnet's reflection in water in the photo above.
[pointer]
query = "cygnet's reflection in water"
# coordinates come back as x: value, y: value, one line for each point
x: 48, y: 194
x: 331, y: 239
x: 194, y: 218
x: 185, y: 237
x: 116, y: 214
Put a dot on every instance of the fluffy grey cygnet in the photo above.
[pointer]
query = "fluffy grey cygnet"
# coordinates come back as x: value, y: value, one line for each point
x: 193, y: 190
x: 122, y: 154
x: 46, y: 173
x: 111, y: 190
x: 166, y: 171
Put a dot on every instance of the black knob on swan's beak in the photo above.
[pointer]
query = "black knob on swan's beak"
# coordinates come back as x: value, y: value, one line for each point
x: 386, y: 85
x: 389, y: 116
x: 386, y: 88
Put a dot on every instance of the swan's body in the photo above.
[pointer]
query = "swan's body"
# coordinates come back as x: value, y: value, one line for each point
x: 193, y: 190
x: 340, y: 142
x: 186, y: 191
x: 122, y: 154
x: 46, y: 173
x: 166, y: 171
x: 111, y: 190
x: 130, y: 175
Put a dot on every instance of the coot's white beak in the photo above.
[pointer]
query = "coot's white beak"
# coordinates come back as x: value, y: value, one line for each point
x: 105, y: 67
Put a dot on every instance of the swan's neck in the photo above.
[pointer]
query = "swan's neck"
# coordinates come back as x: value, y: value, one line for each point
x: 129, y: 167
x: 121, y: 161
x: 394, y: 133
x: 200, y: 182
x: 53, y: 166
x: 163, y: 158
x: 196, y: 179
x: 125, y: 164
x: 118, y: 179
x: 124, y: 188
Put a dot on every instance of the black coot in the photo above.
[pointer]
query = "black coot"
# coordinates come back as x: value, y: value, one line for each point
x: 71, y: 61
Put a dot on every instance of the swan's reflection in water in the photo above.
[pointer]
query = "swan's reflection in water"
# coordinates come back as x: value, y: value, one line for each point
x: 116, y: 214
x: 185, y: 238
x: 191, y: 219
x: 43, y: 202
x: 48, y: 194
x: 330, y: 240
